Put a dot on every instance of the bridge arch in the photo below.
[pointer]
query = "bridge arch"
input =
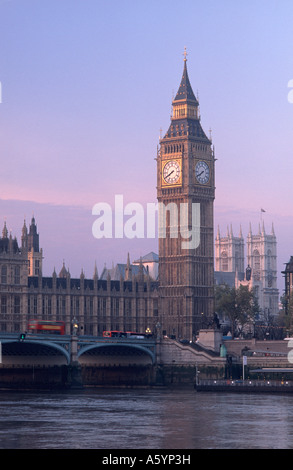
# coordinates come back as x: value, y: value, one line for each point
x: 118, y: 349
x: 35, y: 348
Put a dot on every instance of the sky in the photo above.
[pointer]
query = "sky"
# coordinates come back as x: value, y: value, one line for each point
x: 86, y: 90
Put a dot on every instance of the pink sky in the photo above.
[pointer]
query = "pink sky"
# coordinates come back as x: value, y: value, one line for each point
x: 86, y: 87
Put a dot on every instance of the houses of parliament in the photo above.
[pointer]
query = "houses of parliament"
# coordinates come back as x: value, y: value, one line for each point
x: 174, y: 290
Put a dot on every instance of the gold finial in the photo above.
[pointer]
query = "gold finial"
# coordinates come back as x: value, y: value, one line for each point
x: 185, y: 54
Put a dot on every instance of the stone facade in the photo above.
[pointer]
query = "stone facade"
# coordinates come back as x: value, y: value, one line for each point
x: 175, y: 290
x: 185, y: 179
x: 260, y: 272
x: 127, y: 304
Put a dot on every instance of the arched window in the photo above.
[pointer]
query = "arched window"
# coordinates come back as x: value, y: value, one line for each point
x: 4, y: 274
x: 256, y: 265
x: 17, y: 275
x: 224, y: 261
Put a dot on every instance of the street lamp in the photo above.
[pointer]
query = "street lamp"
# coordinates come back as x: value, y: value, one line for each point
x: 74, y: 326
x: 158, y: 330
x: 148, y: 331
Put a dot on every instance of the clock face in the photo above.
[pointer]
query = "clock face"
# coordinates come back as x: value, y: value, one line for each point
x: 202, y: 172
x: 171, y: 172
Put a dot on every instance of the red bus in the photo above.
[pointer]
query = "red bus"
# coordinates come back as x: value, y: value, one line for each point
x: 125, y: 334
x: 41, y: 326
x: 114, y: 334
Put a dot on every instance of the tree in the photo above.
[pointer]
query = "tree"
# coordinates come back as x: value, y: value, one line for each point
x: 288, y: 319
x: 240, y: 305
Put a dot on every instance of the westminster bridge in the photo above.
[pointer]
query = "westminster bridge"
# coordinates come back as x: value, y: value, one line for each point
x: 66, y: 359
x: 50, y: 349
x: 69, y: 361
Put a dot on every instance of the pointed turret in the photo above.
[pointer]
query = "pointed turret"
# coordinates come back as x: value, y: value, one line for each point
x: 128, y: 269
x: 240, y: 233
x: 5, y: 231
x: 185, y: 92
x: 185, y: 119
x: 218, y: 234
x: 33, y: 237
x: 63, y: 273
x: 96, y: 275
x: 24, y: 235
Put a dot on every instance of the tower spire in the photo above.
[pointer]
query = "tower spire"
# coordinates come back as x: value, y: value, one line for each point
x: 185, y: 54
x: 185, y: 119
x: 185, y: 171
x: 5, y: 231
x: 185, y: 92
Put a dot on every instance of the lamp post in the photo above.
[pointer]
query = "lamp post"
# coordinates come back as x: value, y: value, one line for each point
x: 74, y: 327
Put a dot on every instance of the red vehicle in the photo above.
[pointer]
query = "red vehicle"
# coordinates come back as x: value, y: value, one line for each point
x: 42, y: 326
x: 114, y: 334
x: 125, y: 334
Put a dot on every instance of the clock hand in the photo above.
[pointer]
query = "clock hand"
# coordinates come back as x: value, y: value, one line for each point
x: 170, y: 174
x: 200, y: 173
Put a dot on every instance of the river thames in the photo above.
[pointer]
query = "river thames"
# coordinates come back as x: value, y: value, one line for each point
x: 145, y: 419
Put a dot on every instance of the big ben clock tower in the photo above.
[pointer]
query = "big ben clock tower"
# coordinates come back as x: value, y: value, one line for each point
x: 185, y: 192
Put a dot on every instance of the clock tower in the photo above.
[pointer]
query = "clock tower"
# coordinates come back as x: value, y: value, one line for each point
x: 185, y: 192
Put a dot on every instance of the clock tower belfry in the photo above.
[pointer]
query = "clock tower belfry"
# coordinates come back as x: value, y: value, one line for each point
x: 185, y: 192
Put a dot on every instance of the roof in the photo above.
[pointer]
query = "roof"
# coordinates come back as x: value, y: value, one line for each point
x: 149, y: 258
x: 289, y: 266
x: 118, y: 272
x: 185, y: 91
x: 187, y: 126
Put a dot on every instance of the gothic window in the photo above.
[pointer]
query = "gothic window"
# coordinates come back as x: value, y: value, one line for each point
x: 37, y: 267
x: 269, y: 258
x: 3, y: 304
x: 4, y: 274
x: 17, y: 304
x: 269, y: 269
x: 33, y: 305
x: 224, y: 261
x: 63, y: 305
x: 17, y: 275
x: 256, y: 291
x: 256, y: 265
x: 155, y: 308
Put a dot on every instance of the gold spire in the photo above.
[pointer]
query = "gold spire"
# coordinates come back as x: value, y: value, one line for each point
x: 185, y: 54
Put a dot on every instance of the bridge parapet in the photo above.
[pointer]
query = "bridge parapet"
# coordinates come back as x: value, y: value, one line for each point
x: 28, y: 344
x: 73, y: 347
x: 90, y: 343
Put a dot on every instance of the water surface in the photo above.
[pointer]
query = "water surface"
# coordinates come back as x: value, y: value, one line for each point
x: 145, y: 419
